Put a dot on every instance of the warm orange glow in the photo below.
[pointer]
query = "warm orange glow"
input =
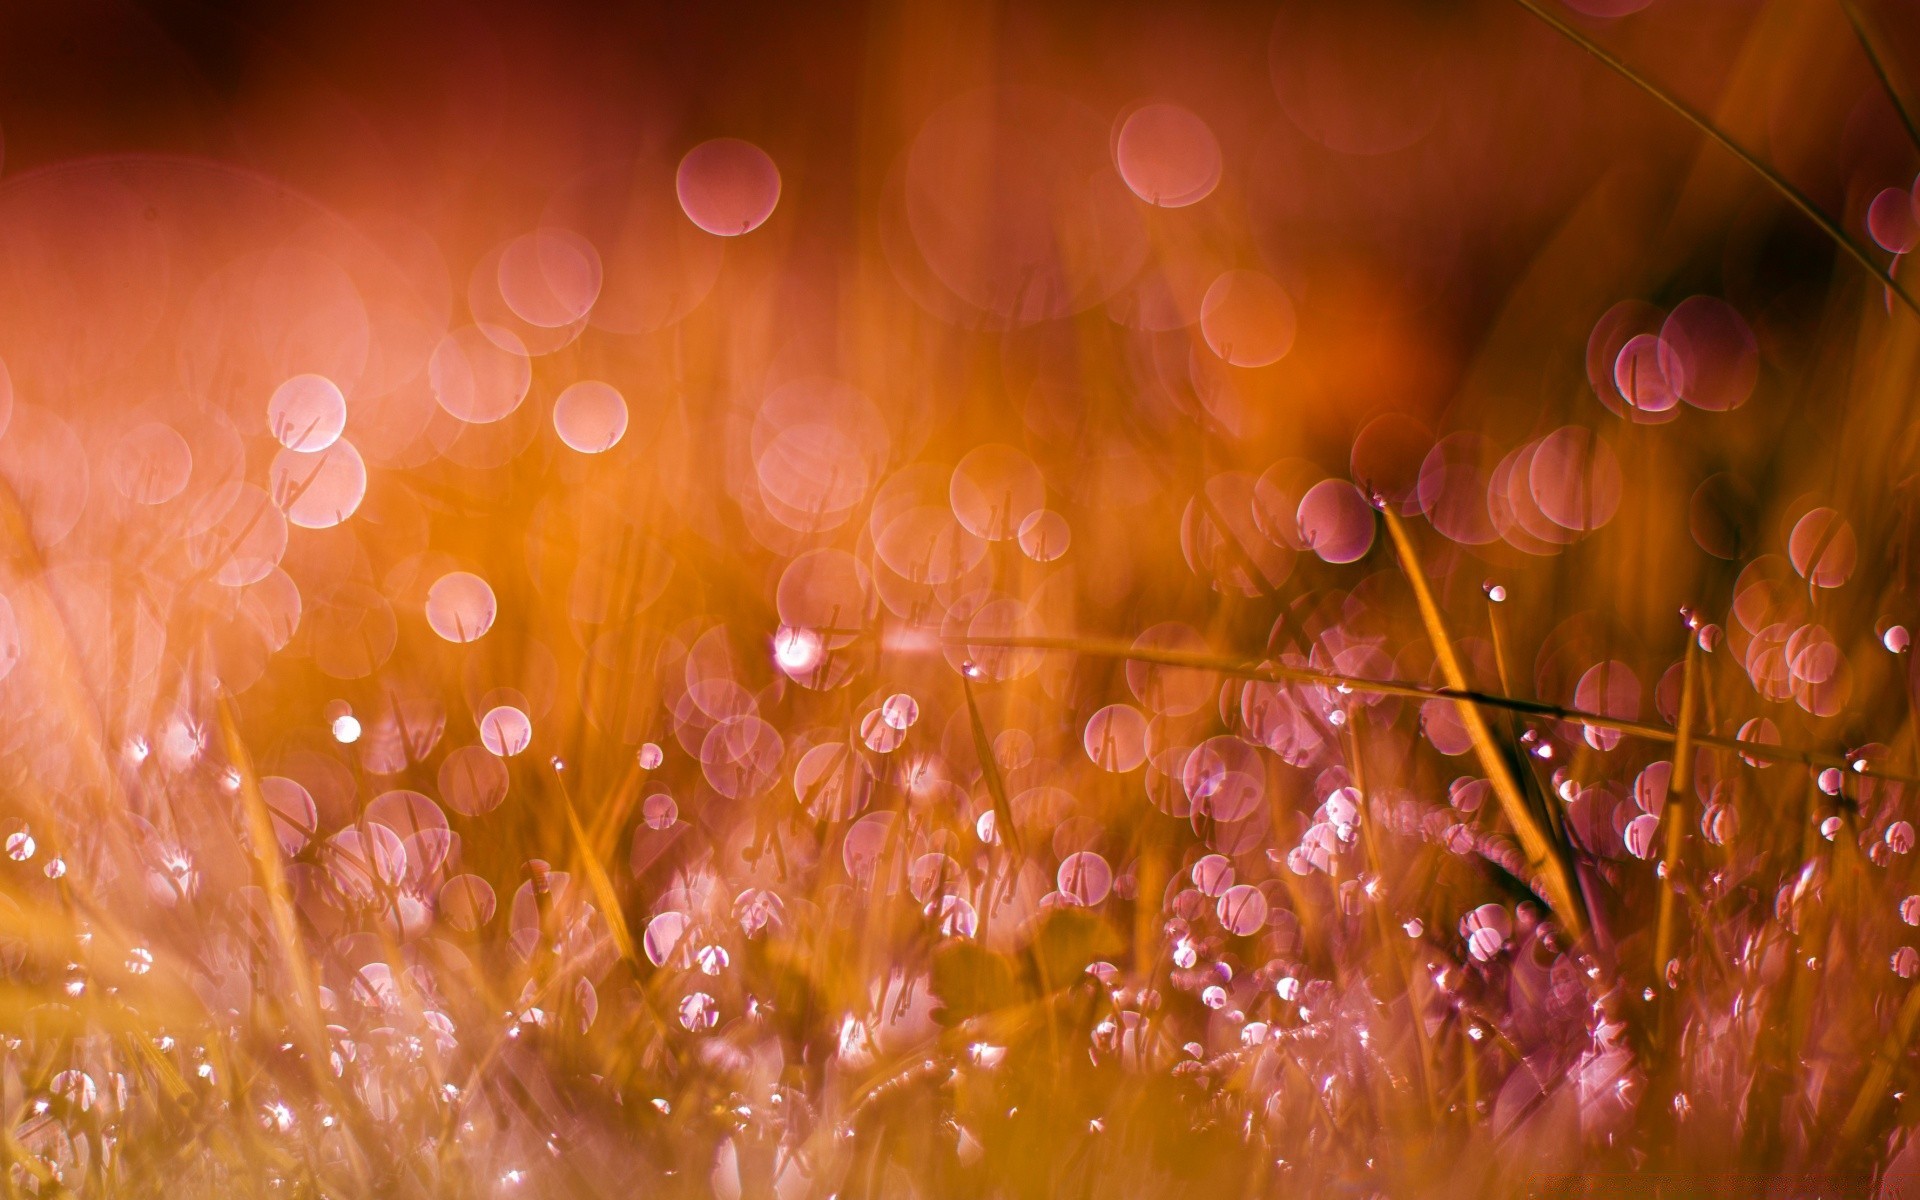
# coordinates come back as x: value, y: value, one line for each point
x: 937, y: 599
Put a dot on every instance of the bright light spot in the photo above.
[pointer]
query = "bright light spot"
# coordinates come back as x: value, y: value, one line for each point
x: 797, y: 651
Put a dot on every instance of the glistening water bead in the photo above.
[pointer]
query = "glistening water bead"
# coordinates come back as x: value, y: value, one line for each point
x: 590, y: 417
x: 900, y: 711
x: 307, y: 413
x: 727, y: 186
x: 566, y: 428
x: 1167, y: 156
x: 505, y: 731
x: 659, y: 811
x: 461, y: 606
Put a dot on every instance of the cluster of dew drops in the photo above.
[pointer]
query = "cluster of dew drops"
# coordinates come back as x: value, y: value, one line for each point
x: 744, y: 831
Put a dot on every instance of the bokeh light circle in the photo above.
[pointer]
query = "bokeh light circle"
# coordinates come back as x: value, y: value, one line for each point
x: 727, y: 186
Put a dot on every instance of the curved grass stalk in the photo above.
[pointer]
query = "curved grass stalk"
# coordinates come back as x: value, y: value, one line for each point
x: 1546, y: 855
x: 1280, y: 672
x: 990, y: 769
x: 263, y: 845
x: 1699, y: 120
x: 1675, y: 817
x: 1873, y: 1089
x: 587, y: 853
x: 1880, y: 71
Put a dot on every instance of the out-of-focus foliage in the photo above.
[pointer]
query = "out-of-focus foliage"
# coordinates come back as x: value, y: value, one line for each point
x: 1298, y: 599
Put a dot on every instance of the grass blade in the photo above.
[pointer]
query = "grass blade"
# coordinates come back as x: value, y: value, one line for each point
x: 1900, y: 106
x: 990, y: 770
x: 1674, y: 814
x: 1698, y: 120
x: 1244, y: 668
x: 1546, y: 859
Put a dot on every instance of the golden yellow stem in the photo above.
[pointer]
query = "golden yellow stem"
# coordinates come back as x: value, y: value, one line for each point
x: 1543, y: 856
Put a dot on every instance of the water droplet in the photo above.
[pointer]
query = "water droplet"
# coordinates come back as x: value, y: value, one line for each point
x: 797, y: 651
x: 590, y: 417
x: 1044, y: 536
x: 880, y: 736
x: 900, y: 711
x: 1242, y: 910
x: 1640, y: 833
x: 505, y: 731
x: 659, y: 811
x: 1900, y: 837
x: 307, y: 413
x: 1084, y: 878
x: 1184, y: 955
x: 461, y: 606
x: 727, y: 186
x: 1213, y: 874
x: 1485, y: 943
